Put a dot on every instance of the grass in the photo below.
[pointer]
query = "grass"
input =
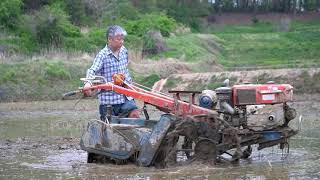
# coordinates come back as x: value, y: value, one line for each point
x: 217, y: 81
x: 146, y: 81
x: 262, y: 45
x: 172, y: 83
x: 190, y: 47
x: 38, y: 80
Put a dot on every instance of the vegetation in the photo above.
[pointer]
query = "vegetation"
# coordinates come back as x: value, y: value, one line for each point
x: 146, y: 81
x: 261, y: 45
x: 31, y: 27
x: 38, y: 80
x: 190, y: 47
x: 303, y: 81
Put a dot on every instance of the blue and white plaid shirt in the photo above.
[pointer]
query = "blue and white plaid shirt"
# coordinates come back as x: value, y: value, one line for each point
x: 106, y: 64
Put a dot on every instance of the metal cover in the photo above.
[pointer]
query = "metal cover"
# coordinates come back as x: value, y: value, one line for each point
x: 150, y: 147
x: 246, y: 96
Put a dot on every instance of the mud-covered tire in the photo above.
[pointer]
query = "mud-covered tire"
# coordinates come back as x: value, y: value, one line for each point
x: 206, y: 150
x: 90, y: 157
x: 247, y: 153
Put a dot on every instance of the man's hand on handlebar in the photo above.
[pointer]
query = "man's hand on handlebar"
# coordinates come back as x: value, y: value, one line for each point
x: 87, y: 92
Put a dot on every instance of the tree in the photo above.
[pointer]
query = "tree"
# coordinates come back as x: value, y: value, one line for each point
x: 49, y: 26
x: 76, y: 10
x: 30, y: 5
x: 10, y: 10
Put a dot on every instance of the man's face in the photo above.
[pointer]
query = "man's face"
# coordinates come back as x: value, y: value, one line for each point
x: 116, y: 42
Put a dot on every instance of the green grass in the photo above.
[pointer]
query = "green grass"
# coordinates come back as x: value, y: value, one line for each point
x: 39, y: 80
x: 190, y: 47
x: 261, y: 45
x: 262, y: 27
x: 172, y: 83
x: 146, y: 81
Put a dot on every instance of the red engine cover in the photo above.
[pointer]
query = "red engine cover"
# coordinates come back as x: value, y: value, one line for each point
x: 251, y: 94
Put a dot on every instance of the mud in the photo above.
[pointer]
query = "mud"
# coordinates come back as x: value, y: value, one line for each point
x: 40, y: 140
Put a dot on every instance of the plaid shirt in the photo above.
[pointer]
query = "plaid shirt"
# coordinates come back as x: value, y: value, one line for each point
x: 106, y: 64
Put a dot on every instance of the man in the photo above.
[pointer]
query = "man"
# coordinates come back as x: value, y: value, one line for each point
x: 113, y: 59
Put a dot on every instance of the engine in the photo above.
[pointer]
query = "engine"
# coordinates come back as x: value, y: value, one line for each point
x: 259, y: 106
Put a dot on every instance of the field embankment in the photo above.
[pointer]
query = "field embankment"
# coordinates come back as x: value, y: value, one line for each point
x: 304, y: 80
x: 281, y: 52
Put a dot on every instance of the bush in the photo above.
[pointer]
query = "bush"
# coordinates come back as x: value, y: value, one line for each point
x: 145, y: 25
x: 50, y: 26
x: 76, y: 10
x: 133, y: 42
x: 255, y: 20
x: 10, y: 11
x: 56, y: 71
x: 186, y: 12
x: 151, y: 22
x: 31, y: 5
x: 89, y: 42
x: 150, y: 80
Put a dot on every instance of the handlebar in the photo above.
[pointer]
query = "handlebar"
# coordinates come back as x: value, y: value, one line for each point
x: 71, y: 93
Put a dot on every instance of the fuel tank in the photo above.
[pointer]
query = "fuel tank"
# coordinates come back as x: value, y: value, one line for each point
x: 255, y: 94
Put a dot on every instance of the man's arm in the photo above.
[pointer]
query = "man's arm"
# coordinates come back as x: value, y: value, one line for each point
x: 128, y: 78
x: 96, y: 66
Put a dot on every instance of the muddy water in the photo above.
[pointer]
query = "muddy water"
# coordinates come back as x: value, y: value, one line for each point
x: 40, y: 140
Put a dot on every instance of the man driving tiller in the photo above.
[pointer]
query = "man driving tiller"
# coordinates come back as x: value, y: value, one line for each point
x: 111, y: 63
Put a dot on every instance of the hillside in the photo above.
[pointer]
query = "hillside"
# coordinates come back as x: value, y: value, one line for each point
x: 229, y: 50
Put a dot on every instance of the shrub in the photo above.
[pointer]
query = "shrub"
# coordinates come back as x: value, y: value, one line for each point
x: 255, y: 20
x: 151, y: 22
x: 133, y: 42
x: 89, y: 42
x: 10, y: 11
x: 50, y: 26
x: 172, y: 82
x: 8, y: 76
x: 56, y: 71
x: 76, y: 10
x: 150, y: 80
x: 31, y: 5
x: 187, y: 12
x: 145, y: 25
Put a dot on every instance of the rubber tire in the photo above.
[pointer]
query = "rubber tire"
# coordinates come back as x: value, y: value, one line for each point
x: 90, y: 157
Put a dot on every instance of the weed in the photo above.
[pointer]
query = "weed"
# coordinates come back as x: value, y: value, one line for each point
x: 148, y: 81
x: 172, y: 82
x: 56, y: 71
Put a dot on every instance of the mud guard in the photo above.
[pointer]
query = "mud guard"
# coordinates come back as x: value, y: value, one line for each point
x: 110, y: 142
x: 151, y: 145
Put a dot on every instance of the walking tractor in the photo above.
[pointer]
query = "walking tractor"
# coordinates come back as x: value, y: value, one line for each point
x: 213, y: 126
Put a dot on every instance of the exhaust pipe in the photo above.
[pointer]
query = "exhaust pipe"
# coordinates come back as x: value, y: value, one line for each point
x: 227, y: 107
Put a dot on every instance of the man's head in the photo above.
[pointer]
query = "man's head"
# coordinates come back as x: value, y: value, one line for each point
x: 115, y: 37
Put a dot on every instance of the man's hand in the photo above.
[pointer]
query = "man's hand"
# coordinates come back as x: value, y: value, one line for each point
x: 87, y: 92
x: 118, y: 79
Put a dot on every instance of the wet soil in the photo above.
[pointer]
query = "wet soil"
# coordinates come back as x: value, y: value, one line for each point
x: 40, y: 140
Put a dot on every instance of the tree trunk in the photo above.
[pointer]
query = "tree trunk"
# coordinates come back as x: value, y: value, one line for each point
x: 218, y: 7
x: 294, y: 7
x: 255, y: 7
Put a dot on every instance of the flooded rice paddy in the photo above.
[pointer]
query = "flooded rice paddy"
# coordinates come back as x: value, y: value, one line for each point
x: 40, y: 140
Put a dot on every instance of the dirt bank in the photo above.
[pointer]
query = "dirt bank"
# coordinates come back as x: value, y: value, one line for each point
x: 303, y: 80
